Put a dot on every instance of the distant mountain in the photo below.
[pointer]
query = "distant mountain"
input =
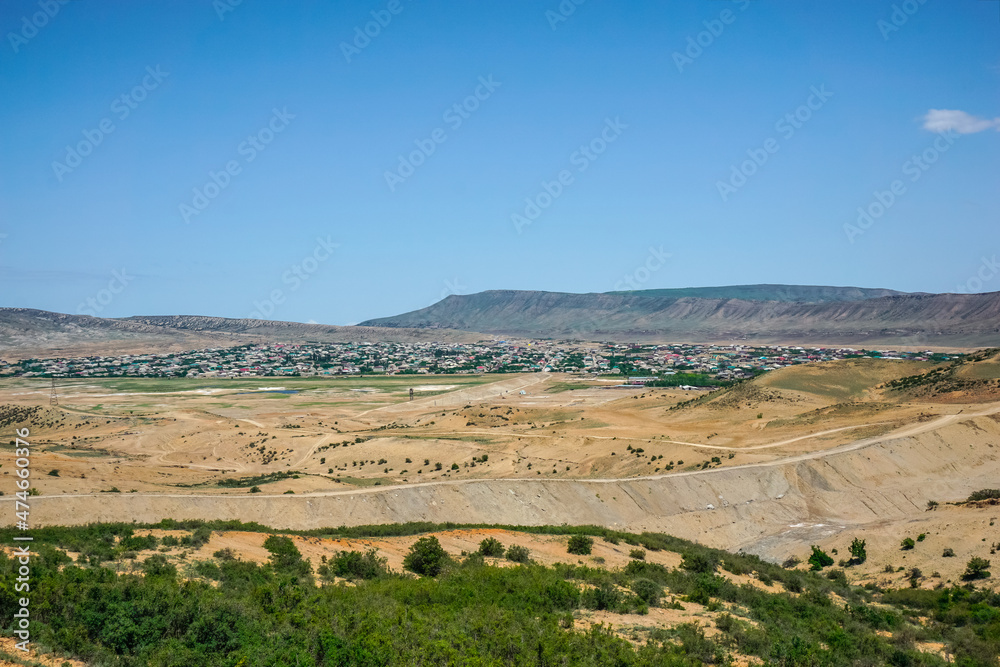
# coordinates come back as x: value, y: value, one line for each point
x: 793, y: 315
x: 802, y: 293
x: 25, y: 332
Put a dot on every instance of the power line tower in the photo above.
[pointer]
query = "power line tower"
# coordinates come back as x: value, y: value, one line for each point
x: 53, y: 395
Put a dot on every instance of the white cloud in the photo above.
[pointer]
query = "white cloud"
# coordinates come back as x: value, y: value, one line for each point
x: 942, y: 120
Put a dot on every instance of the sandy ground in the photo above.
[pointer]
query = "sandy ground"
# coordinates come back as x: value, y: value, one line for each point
x: 807, y: 454
x: 33, y: 657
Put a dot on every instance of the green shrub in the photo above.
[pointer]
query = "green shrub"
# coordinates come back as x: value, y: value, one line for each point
x: 517, y: 553
x: 637, y: 554
x: 858, y: 552
x: 286, y: 558
x: 426, y: 557
x: 158, y: 566
x: 580, y: 545
x: 838, y: 576
x: 355, y: 565
x: 207, y: 569
x: 491, y: 547
x: 976, y: 568
x: 648, y: 591
x: 819, y: 559
x: 698, y: 562
x: 907, y: 544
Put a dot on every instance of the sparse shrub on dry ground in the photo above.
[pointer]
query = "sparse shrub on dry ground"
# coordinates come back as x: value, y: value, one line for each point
x: 491, y: 547
x: 517, y: 554
x: 580, y: 545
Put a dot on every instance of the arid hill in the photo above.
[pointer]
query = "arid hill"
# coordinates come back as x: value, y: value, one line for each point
x: 928, y: 320
x: 26, y: 332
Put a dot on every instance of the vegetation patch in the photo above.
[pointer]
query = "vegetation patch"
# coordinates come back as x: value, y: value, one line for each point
x: 228, y: 611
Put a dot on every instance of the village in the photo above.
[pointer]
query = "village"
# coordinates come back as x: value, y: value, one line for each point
x: 639, y: 362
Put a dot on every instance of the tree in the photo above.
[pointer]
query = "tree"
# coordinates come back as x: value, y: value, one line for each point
x: 285, y: 557
x: 426, y: 557
x: 491, y: 547
x: 819, y: 559
x: 907, y: 544
x: 976, y: 568
x: 580, y: 545
x: 858, y: 553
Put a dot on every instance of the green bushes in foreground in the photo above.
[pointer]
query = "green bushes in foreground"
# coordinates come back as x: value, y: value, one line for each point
x: 228, y: 612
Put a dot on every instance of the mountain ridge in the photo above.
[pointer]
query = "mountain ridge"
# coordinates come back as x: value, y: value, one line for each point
x: 771, y: 292
x: 28, y: 332
x: 970, y: 320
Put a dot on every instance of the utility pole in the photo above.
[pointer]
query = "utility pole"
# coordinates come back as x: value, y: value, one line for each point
x: 53, y: 395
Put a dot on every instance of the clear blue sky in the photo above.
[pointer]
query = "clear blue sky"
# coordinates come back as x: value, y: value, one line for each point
x: 674, y: 125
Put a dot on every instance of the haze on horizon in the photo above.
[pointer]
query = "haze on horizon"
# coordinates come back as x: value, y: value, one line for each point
x: 241, y: 150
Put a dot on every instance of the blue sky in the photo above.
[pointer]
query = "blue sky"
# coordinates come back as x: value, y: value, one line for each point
x: 272, y: 160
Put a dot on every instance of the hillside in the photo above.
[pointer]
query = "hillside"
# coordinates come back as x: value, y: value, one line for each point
x: 801, y: 293
x: 26, y: 333
x: 962, y: 320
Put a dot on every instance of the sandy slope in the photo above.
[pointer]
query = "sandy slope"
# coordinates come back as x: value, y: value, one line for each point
x: 771, y: 508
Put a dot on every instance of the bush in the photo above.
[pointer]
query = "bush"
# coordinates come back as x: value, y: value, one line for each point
x: 984, y: 494
x: 819, y: 559
x: 491, y: 547
x: 858, y: 552
x: 907, y: 544
x: 637, y: 554
x: 200, y: 536
x: 517, y: 554
x: 580, y: 545
x: 648, y: 591
x: 838, y: 576
x: 948, y: 553
x: 426, y: 557
x: 355, y: 565
x: 286, y: 557
x: 976, y: 568
x: 158, y: 566
x: 698, y: 562
x: 605, y: 596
